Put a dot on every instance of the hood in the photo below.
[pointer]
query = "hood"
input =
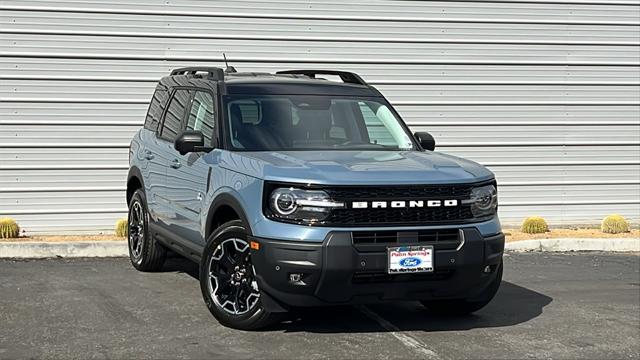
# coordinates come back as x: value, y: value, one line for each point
x: 356, y: 167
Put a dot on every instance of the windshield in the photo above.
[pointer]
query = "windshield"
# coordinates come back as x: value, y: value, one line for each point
x: 318, y: 122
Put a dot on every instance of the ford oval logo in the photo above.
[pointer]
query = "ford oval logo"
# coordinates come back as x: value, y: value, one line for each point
x: 410, y: 262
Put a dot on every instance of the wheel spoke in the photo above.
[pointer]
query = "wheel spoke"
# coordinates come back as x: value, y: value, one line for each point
x: 236, y: 296
x: 222, y: 277
x: 230, y: 259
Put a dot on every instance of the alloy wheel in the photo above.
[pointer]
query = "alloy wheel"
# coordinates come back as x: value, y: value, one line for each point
x: 232, y: 284
x: 136, y: 231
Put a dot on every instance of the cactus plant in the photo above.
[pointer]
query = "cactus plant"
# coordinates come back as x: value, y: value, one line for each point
x: 9, y: 228
x: 614, y: 224
x: 534, y: 225
x: 122, y: 227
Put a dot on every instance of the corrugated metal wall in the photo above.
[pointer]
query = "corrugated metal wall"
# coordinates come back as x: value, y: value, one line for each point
x: 545, y: 92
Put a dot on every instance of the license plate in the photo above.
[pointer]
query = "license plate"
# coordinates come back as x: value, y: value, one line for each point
x: 410, y: 259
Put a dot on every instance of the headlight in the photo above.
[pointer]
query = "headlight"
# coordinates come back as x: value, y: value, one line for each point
x: 484, y: 200
x: 302, y: 205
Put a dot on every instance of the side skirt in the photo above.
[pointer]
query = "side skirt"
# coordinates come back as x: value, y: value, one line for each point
x: 175, y: 243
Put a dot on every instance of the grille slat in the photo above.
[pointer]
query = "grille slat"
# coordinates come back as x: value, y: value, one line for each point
x: 441, y: 239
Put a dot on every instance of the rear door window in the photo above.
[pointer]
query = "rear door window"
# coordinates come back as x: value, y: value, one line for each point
x: 202, y: 116
x: 172, y: 124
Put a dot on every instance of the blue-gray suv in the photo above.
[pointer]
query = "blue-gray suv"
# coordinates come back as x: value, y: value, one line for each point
x: 306, y: 188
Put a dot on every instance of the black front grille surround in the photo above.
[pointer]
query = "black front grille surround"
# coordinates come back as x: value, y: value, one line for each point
x: 376, y: 241
x: 410, y: 216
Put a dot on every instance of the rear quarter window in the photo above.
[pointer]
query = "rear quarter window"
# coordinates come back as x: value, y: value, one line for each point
x: 156, y: 107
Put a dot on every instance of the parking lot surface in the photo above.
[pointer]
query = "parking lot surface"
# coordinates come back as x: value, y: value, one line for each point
x: 549, y: 306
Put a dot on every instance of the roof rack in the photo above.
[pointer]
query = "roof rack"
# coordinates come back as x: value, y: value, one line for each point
x: 214, y: 72
x: 347, y: 77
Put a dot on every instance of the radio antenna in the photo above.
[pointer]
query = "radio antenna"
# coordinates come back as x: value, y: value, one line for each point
x: 229, y: 69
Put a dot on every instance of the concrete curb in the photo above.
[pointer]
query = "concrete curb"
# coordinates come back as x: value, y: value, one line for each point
x: 38, y: 250
x: 576, y: 244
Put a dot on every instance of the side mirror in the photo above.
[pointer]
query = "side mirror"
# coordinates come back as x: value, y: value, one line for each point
x: 426, y: 140
x: 190, y: 141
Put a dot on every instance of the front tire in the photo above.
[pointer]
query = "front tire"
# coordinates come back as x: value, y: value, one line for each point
x: 144, y: 251
x: 461, y: 307
x: 227, y: 280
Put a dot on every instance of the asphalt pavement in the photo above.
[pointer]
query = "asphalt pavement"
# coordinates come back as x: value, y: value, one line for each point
x: 577, y: 305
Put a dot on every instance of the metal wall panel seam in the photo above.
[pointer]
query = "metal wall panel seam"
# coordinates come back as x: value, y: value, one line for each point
x: 62, y: 189
x: 80, y: 78
x: 553, y: 2
x: 311, y: 16
x: 307, y: 59
x: 308, y: 38
x: 64, y: 211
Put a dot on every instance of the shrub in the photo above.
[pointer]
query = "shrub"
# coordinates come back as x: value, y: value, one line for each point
x: 122, y: 227
x: 534, y: 225
x: 614, y: 224
x: 9, y: 228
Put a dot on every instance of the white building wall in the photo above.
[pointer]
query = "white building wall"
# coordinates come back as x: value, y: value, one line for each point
x: 544, y: 92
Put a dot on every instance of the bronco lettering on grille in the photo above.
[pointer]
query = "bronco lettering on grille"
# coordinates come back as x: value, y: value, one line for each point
x: 403, y: 204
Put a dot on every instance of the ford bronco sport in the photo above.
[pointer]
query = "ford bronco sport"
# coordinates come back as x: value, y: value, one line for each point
x: 292, y: 190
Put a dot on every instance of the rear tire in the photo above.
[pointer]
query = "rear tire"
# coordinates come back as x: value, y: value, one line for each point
x: 144, y: 251
x: 461, y: 307
x: 227, y: 280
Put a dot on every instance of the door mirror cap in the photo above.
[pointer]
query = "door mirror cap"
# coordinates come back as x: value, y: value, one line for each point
x: 426, y: 140
x: 190, y: 141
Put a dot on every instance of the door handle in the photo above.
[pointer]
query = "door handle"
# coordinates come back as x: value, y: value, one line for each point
x: 148, y: 155
x: 175, y: 164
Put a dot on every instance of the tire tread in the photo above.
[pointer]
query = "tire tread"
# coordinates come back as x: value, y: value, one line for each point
x: 153, y: 253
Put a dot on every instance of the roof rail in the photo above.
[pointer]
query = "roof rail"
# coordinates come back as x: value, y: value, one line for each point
x: 214, y: 72
x: 347, y: 77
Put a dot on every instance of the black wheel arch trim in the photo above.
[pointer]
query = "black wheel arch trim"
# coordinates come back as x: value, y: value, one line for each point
x: 134, y: 172
x: 226, y: 199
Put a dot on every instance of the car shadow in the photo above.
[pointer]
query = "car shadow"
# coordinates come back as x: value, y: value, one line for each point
x: 512, y: 305
x: 178, y: 264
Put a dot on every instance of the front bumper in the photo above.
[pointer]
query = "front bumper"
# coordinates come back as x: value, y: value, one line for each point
x: 338, y: 272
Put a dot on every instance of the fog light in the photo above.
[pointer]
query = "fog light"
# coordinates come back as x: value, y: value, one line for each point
x: 487, y: 269
x: 295, y: 278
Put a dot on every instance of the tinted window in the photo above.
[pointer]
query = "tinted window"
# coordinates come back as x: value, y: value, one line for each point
x: 172, y: 125
x: 296, y: 122
x: 201, y: 116
x: 377, y: 119
x: 158, y: 103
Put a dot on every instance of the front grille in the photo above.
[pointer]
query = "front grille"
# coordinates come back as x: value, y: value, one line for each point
x: 411, y: 216
x: 401, y: 216
x: 399, y: 192
x: 441, y: 239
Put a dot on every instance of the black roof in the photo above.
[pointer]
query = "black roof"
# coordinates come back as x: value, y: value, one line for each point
x: 291, y: 82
